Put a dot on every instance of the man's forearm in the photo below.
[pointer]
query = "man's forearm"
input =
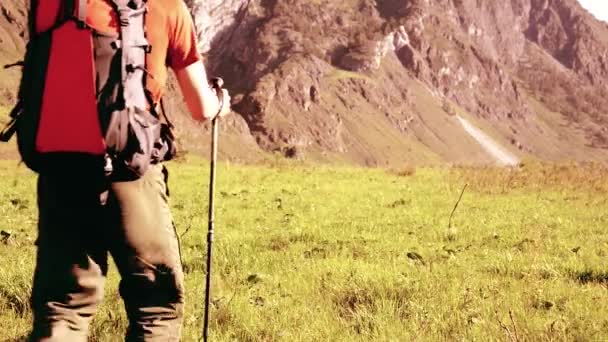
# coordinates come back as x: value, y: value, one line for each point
x: 200, y: 98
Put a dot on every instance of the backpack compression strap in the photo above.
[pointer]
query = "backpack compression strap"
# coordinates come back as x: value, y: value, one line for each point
x: 135, y: 46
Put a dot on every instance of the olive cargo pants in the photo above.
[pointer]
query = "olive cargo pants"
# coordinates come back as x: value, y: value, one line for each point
x: 78, y: 228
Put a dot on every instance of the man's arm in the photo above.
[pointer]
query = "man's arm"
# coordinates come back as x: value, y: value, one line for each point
x: 200, y: 98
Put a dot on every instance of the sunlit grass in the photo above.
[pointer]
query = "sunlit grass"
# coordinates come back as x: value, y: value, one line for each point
x: 309, y: 253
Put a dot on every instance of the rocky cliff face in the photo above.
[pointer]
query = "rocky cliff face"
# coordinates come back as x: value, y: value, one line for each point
x: 12, y: 35
x: 390, y: 81
x: 350, y: 78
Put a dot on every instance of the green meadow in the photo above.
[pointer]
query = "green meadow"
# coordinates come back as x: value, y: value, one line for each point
x: 318, y: 253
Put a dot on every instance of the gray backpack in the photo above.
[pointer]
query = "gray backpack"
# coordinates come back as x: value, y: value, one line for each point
x: 68, y: 122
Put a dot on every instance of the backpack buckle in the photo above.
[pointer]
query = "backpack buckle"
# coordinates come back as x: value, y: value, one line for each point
x: 108, y: 167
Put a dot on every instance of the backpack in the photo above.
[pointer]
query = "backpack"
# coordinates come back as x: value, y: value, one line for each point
x: 82, y: 103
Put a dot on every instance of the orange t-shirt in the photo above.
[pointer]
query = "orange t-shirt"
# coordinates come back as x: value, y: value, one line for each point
x: 169, y: 29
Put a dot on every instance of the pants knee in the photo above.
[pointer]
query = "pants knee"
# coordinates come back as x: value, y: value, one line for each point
x: 157, y: 286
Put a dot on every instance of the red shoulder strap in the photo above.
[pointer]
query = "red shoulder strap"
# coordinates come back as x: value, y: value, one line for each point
x: 49, y: 14
x: 46, y: 14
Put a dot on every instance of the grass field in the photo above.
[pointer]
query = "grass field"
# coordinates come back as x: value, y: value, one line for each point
x: 308, y: 253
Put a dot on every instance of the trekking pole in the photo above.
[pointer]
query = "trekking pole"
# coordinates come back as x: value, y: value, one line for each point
x: 217, y: 84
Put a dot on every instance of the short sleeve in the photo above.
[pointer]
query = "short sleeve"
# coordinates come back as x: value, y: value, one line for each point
x: 182, y: 50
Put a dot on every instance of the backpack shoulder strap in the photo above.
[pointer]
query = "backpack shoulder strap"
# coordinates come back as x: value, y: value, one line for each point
x: 162, y: 108
x: 75, y: 10
x: 82, y: 12
x: 31, y: 18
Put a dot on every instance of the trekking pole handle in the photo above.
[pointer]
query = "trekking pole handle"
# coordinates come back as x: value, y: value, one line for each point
x: 217, y: 83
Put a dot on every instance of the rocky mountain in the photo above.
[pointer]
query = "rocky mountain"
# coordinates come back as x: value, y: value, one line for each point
x: 394, y: 82
x: 13, y: 27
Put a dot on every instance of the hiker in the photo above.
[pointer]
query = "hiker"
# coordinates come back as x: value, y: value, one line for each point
x: 113, y: 203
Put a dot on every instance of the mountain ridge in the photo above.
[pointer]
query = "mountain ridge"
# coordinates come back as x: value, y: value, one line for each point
x: 385, y: 82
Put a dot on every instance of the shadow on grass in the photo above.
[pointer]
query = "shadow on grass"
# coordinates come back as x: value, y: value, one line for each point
x: 359, y: 302
x: 591, y: 277
x: 18, y: 303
